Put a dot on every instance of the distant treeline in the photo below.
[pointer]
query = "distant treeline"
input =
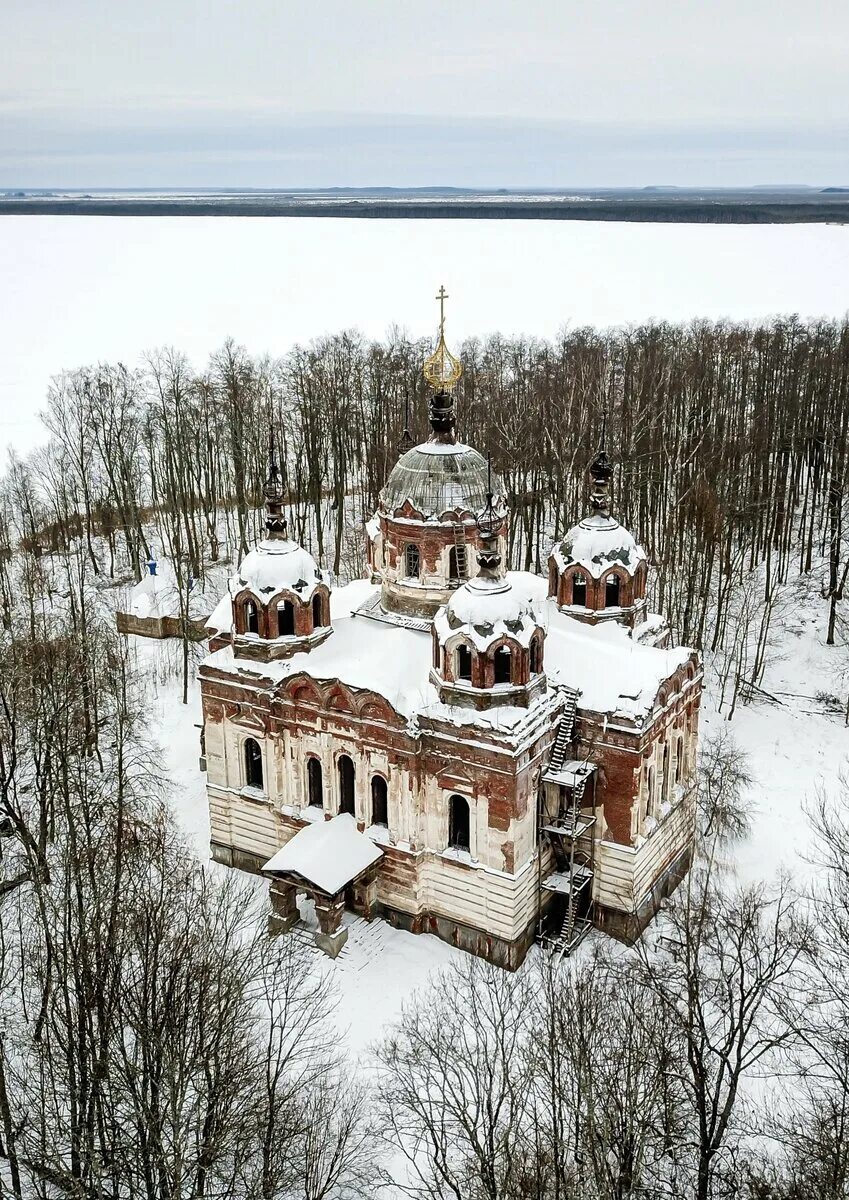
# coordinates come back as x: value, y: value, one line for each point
x: 723, y: 208
x: 730, y: 442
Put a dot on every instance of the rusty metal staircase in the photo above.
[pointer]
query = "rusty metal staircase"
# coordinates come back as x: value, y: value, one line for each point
x: 567, y: 929
x: 461, y: 550
x: 565, y: 731
x: 566, y: 841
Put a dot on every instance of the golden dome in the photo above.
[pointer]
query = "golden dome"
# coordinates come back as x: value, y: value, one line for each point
x: 441, y: 369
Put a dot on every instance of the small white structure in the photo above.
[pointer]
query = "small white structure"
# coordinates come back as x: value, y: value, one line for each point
x: 154, y: 606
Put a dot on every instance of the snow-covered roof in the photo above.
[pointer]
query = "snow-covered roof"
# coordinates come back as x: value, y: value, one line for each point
x: 599, y: 542
x: 328, y: 854
x: 159, y: 596
x: 221, y: 617
x: 388, y: 659
x: 613, y: 673
x: 155, y: 596
x: 274, y: 565
x: 440, y: 477
x: 485, y: 609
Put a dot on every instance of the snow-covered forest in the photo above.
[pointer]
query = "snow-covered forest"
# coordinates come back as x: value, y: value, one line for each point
x: 730, y: 442
x: 155, y: 1043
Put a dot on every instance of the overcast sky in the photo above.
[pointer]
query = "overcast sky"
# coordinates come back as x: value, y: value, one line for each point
x: 537, y: 93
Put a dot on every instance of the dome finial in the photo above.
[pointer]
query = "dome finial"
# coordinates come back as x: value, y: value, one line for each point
x: 406, y: 441
x: 489, y: 523
x: 275, y: 520
x: 442, y: 372
x: 601, y: 472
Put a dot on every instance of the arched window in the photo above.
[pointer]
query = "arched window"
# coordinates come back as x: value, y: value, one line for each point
x: 665, y: 794
x: 536, y: 656
x: 251, y: 617
x: 253, y: 763
x: 285, y: 619
x: 458, y: 823
x: 454, y: 571
x: 579, y: 589
x: 464, y: 662
x: 650, y: 793
x: 502, y: 660
x: 314, y: 785
x: 379, y: 801
x: 611, y: 591
x: 679, y: 760
x: 412, y: 561
x: 317, y: 616
x: 346, y: 784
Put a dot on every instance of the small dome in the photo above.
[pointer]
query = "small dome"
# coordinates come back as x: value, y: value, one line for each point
x: 440, y: 477
x: 276, y: 565
x: 599, y: 542
x: 487, y: 609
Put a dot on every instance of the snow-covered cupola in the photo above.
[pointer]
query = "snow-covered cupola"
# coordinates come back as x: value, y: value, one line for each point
x: 488, y: 639
x: 599, y: 572
x: 280, y: 598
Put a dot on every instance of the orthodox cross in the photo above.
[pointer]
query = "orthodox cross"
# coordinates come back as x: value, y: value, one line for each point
x: 442, y: 296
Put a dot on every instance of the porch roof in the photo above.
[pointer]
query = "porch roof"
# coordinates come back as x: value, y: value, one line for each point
x: 327, y: 854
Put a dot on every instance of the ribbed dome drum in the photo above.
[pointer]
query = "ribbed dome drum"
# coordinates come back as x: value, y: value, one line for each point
x: 438, y: 478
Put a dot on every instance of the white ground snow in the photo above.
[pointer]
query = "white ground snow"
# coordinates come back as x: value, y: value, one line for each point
x: 81, y: 289
x: 794, y: 748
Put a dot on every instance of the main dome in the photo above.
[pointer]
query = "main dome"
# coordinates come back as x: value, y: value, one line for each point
x: 441, y: 477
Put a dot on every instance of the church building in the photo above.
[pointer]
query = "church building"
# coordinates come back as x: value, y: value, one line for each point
x: 487, y: 755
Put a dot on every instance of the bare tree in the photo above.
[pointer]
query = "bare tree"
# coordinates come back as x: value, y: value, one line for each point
x: 453, y: 1084
x: 721, y: 977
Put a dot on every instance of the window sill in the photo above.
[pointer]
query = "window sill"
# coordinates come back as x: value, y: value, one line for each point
x: 312, y: 812
x: 256, y: 795
x: 454, y: 854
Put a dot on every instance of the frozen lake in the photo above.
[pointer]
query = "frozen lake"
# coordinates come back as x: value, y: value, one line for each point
x: 78, y: 289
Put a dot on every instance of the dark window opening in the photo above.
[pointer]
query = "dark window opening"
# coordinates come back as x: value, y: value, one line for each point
x: 679, y: 761
x: 317, y: 618
x: 650, y: 795
x: 253, y: 763
x: 611, y: 592
x: 379, y: 801
x: 251, y: 617
x: 346, y: 785
x: 536, y: 656
x: 464, y: 662
x: 286, y: 619
x: 412, y: 561
x: 316, y: 791
x: 502, y: 660
x: 665, y: 795
x: 458, y: 823
x: 579, y: 590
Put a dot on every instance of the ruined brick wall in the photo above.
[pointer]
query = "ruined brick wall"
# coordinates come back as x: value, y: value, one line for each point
x: 302, y: 720
x: 159, y: 627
